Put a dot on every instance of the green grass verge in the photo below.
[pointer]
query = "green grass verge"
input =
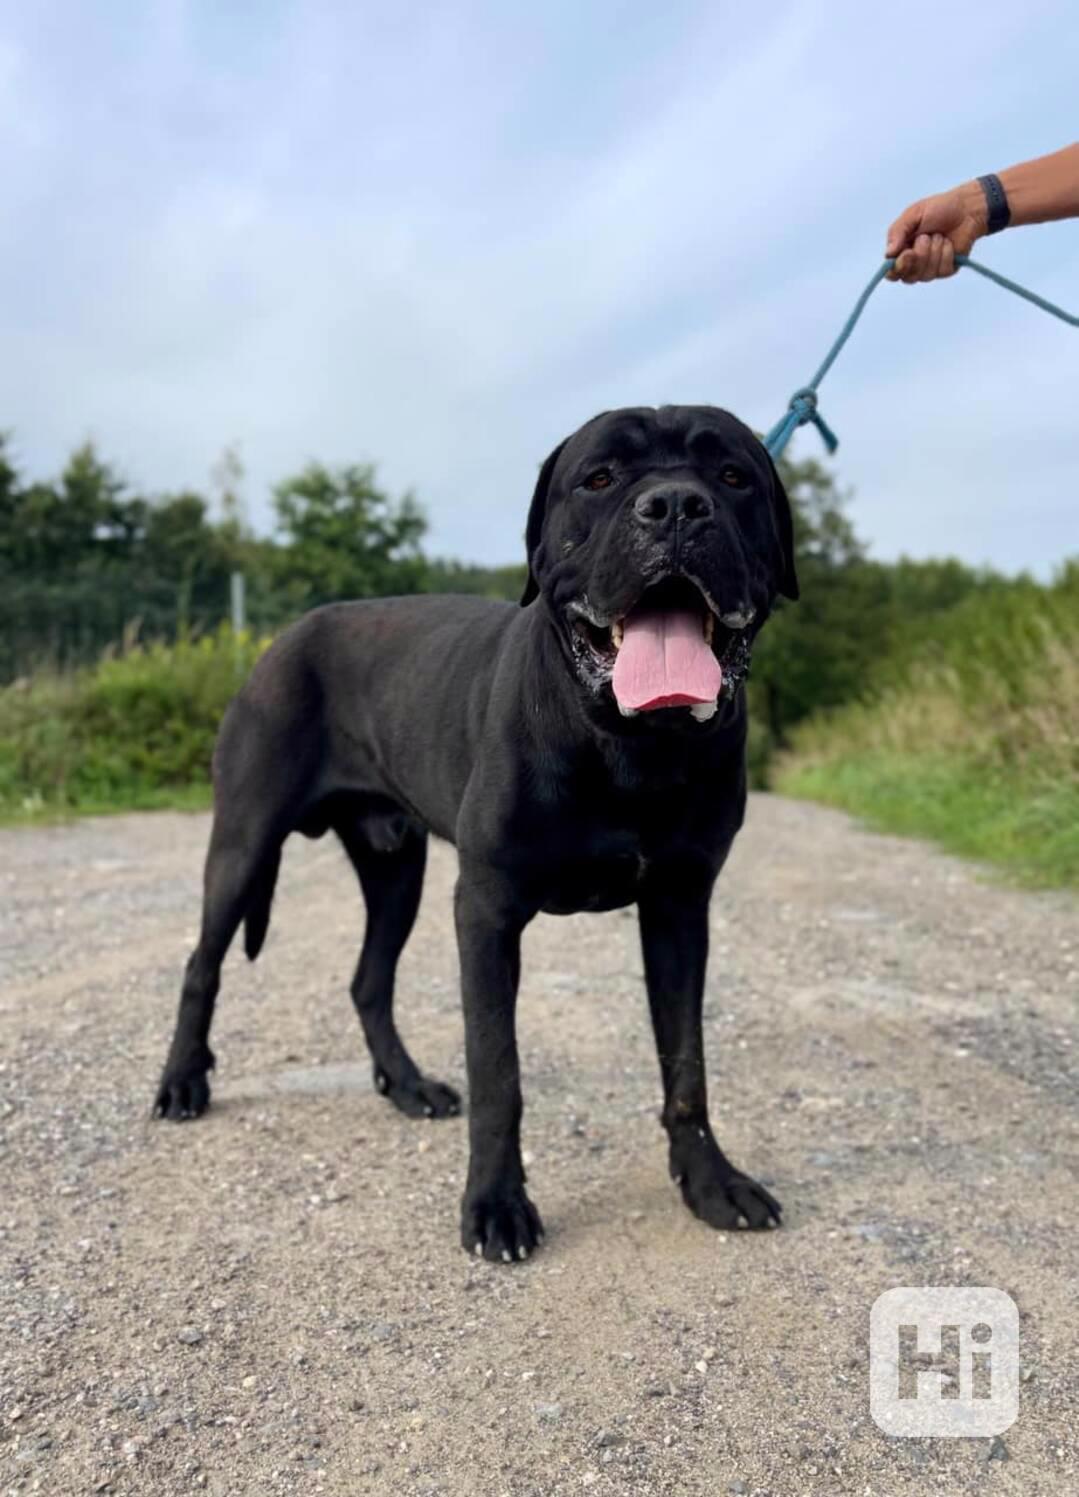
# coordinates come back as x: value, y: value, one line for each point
x: 1029, y: 829
x: 134, y: 733
x: 970, y: 739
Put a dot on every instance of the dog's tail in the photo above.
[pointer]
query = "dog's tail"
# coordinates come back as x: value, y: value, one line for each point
x: 257, y: 914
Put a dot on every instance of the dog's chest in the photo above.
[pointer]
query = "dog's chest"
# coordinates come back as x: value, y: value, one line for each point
x: 603, y: 870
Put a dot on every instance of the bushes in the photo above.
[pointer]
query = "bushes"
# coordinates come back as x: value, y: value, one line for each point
x: 135, y: 731
x: 971, y: 738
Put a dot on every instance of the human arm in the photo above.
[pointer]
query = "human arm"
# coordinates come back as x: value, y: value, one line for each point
x: 927, y: 236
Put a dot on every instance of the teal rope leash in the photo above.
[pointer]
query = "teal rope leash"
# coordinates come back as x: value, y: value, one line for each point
x: 803, y: 411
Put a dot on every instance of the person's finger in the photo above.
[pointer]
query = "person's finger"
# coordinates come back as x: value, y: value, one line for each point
x: 947, y: 259
x: 906, y: 267
x: 940, y: 240
x: 931, y: 269
x: 901, y: 234
x: 896, y: 273
x: 915, y: 261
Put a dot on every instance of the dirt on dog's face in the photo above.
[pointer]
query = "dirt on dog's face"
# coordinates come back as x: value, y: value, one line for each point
x: 659, y: 539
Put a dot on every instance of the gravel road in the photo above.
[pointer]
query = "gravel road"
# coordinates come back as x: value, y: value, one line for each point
x: 273, y: 1300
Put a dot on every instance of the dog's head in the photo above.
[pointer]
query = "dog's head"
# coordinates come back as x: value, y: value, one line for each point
x: 659, y: 540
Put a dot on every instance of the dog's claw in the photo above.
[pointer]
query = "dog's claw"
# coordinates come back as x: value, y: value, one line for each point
x: 181, y: 1099
x: 419, y: 1096
x: 726, y: 1199
x: 503, y: 1228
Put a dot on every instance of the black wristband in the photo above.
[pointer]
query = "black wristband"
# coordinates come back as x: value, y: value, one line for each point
x: 996, y: 200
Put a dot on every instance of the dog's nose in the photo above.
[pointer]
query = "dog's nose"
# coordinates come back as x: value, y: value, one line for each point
x: 666, y: 506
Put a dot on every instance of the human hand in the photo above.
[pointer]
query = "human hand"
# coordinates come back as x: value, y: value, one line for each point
x: 928, y: 235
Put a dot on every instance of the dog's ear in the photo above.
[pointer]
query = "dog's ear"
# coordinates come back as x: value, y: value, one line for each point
x: 537, y: 513
x: 781, y: 510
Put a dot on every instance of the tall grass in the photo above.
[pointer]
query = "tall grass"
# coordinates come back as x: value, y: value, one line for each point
x: 968, y: 731
x: 135, y: 731
x: 971, y: 737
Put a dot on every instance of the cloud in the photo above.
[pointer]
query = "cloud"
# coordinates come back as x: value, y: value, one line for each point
x: 440, y: 239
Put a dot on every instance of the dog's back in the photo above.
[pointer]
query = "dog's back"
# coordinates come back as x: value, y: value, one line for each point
x: 361, y: 682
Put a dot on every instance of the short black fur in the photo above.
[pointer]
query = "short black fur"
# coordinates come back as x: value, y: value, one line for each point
x: 495, y: 727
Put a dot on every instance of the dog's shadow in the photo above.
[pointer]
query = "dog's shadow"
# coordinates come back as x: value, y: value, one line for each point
x: 336, y: 1079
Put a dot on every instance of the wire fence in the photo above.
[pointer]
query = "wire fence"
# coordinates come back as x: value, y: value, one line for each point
x: 48, y: 625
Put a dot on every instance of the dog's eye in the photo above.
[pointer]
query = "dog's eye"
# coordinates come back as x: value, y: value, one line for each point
x: 602, y: 478
x: 733, y: 477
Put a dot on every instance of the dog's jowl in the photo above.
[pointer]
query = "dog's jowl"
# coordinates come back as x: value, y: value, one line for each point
x: 583, y: 751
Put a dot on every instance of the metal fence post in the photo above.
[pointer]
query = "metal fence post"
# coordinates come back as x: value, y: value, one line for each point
x: 239, y: 602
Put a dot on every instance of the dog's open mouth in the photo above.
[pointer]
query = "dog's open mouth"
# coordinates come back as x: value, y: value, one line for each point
x: 669, y: 650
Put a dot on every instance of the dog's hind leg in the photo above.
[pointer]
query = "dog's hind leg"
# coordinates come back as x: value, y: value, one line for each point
x: 257, y: 787
x: 389, y: 854
x: 235, y: 861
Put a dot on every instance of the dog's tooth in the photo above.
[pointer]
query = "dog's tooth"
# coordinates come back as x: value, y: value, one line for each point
x: 709, y: 626
x: 629, y: 711
x: 617, y: 634
x: 704, y: 711
x: 739, y: 618
x: 478, y: 1250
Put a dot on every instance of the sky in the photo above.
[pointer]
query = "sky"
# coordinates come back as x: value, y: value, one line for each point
x: 439, y: 237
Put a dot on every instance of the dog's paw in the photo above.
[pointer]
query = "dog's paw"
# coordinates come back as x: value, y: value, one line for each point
x: 420, y: 1097
x: 181, y: 1098
x: 184, y: 1090
x: 728, y: 1199
x: 503, y: 1227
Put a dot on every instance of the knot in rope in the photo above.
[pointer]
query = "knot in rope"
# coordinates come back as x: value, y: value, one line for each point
x: 803, y: 411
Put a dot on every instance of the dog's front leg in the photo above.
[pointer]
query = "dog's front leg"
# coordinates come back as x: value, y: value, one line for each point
x: 498, y: 1221
x: 674, y: 939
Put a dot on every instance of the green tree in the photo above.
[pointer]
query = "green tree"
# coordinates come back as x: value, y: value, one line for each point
x: 344, y: 537
x: 855, y: 620
x: 812, y: 654
x: 185, y: 557
x: 448, y: 576
x: 78, y: 522
x: 9, y: 504
x: 233, y: 531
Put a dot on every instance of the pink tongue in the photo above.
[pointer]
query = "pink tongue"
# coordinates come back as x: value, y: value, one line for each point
x: 665, y: 661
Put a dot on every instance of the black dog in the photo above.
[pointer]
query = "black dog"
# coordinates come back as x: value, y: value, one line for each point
x: 583, y: 752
